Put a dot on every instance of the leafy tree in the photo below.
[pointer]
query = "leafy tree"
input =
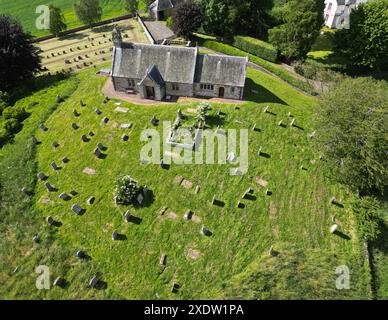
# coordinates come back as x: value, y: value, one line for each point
x: 367, y: 214
x: 57, y: 21
x: 18, y: 113
x: 365, y: 44
x: 169, y: 22
x: 19, y: 59
x: 352, y: 133
x: 126, y: 190
x: 187, y: 19
x: 301, y: 22
x: 203, y: 110
x: 132, y: 6
x: 88, y: 11
x: 3, y: 106
x: 216, y: 18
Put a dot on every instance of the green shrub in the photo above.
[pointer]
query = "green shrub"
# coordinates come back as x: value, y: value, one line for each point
x: 126, y: 190
x: 3, y: 136
x: 169, y: 22
x: 12, y: 126
x: 3, y: 105
x: 366, y: 211
x: 256, y: 47
x: 275, y: 69
x: 18, y: 113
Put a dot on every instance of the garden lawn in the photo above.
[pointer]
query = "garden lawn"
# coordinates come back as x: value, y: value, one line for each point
x: 27, y: 16
x: 297, y: 213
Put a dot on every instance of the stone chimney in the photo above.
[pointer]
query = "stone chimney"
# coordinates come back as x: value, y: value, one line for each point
x: 117, y: 39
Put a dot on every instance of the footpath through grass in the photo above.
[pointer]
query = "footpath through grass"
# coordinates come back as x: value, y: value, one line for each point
x: 297, y: 213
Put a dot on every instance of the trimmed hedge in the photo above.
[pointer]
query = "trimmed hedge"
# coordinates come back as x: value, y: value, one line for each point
x: 275, y: 69
x: 256, y: 47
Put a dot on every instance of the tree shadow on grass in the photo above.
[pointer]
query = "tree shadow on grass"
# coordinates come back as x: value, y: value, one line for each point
x: 257, y: 93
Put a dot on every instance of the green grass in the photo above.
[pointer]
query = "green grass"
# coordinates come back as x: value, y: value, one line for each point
x: 298, y: 211
x: 27, y: 16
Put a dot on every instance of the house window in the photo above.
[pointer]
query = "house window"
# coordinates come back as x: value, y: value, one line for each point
x: 175, y: 86
x: 326, y: 17
x: 208, y: 87
x: 329, y: 6
x: 232, y: 90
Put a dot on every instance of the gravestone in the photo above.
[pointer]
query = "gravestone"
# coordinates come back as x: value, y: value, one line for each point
x: 292, y: 122
x: 24, y: 190
x: 94, y: 282
x: 80, y: 254
x: 162, y: 211
x: 73, y: 193
x: 77, y: 209
x: 127, y: 216
x: 64, y: 196
x: 140, y: 199
x: 124, y: 137
x: 65, y: 160
x: 126, y: 126
x: 81, y: 103
x: 50, y: 220
x: 90, y: 201
x: 59, y: 282
x: 240, y: 205
x: 266, y: 109
x: 115, y: 235
x: 98, y: 111
x: 74, y: 126
x: 84, y: 138
x: 43, y: 127
x: 91, y: 134
x: 260, y: 151
x: 98, y: 153
x: 334, y: 228
x: 36, y: 239
x: 197, y: 189
x: 154, y: 121
x: 49, y: 187
x: 205, y: 232
x: 162, y: 260
x: 105, y: 120
x: 280, y: 123
x: 272, y: 252
x: 54, y: 166
x: 41, y: 176
x: 188, y: 215
x: 175, y: 288
x: 34, y: 140
x: 55, y: 144
x: 75, y: 113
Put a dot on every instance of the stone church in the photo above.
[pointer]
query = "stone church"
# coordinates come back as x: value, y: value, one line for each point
x: 159, y: 72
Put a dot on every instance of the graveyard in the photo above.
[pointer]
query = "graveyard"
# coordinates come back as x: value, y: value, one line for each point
x: 198, y: 227
x: 86, y: 49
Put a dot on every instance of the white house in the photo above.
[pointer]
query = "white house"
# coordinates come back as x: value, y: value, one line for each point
x: 337, y: 12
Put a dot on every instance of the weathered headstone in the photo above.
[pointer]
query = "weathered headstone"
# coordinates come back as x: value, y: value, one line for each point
x: 54, y: 166
x: 74, y: 126
x: 34, y: 140
x: 91, y: 134
x: 43, y: 127
x: 127, y: 216
x: 36, y: 239
x: 105, y: 120
x: 94, y: 282
x: 75, y: 113
x: 49, y: 187
x: 124, y: 137
x: 65, y: 160
x: 162, y: 260
x: 292, y: 122
x: 55, y: 144
x: 334, y: 228
x: 77, y: 209
x: 175, y: 288
x: 98, y: 111
x: 73, y: 193
x: 188, y: 215
x: 81, y: 103
x: 266, y: 109
x: 98, y: 153
x: 84, y: 138
x: 64, y: 196
x: 205, y: 231
x: 101, y: 146
x: 90, y: 201
x: 154, y: 121
x: 41, y: 176
x: 80, y: 254
x: 197, y: 189
x: 115, y: 235
x: 50, y: 220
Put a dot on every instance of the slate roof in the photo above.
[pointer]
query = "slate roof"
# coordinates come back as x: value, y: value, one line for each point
x: 178, y: 64
x: 154, y: 74
x: 223, y: 70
